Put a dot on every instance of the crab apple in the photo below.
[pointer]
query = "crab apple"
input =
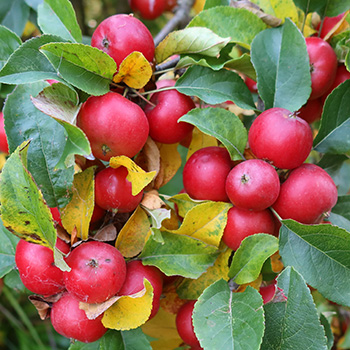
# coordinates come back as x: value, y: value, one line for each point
x: 251, y: 84
x: 328, y: 24
x: 306, y: 195
x: 114, y: 125
x: 135, y: 274
x: 205, y: 174
x: 242, y: 223
x: 113, y: 190
x: 56, y: 215
x: 163, y: 119
x: 342, y: 75
x: 184, y: 324
x: 268, y: 292
x: 97, y: 272
x: 170, y: 5
x: 71, y: 322
x: 148, y: 9
x: 4, y: 147
x: 37, y: 269
x: 281, y: 137
x: 311, y: 111
x: 323, y: 65
x: 253, y: 184
x: 120, y: 35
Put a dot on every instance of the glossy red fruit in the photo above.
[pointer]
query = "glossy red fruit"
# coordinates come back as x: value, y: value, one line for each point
x: 205, y: 174
x: 113, y: 190
x: 306, y: 195
x: 170, y: 106
x: 268, y: 292
x: 37, y: 269
x: 342, y: 75
x: 253, y: 184
x: 136, y: 272
x: 242, y: 223
x: 98, y: 271
x: 328, y: 24
x: 4, y: 147
x: 120, y: 35
x: 184, y: 324
x: 251, y: 84
x: 114, y: 125
x: 280, y: 137
x: 56, y: 215
x: 148, y: 9
x: 311, y: 111
x: 323, y: 65
x: 71, y: 322
x: 170, y: 5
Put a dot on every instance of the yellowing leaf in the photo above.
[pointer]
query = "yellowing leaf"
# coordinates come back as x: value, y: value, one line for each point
x: 135, y: 71
x: 136, y: 175
x: 308, y: 27
x: 77, y: 213
x: 184, y: 203
x: 341, y: 26
x: 200, y: 140
x: 193, y: 288
x: 206, y: 222
x: 255, y: 284
x: 170, y: 300
x: 2, y: 160
x: 276, y: 262
x: 130, y: 311
x: 132, y: 237
x: 198, y: 6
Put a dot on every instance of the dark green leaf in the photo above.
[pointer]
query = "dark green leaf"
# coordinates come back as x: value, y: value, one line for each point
x: 329, y: 8
x: 282, y: 66
x: 340, y: 215
x: 27, y: 64
x: 13, y: 281
x: 9, y: 42
x: 112, y: 340
x: 215, y: 87
x: 14, y: 15
x: 341, y: 45
x: 230, y: 321
x: 321, y: 253
x: 212, y: 3
x: 134, y: 339
x: 293, y: 324
x: 328, y: 331
x: 222, y: 124
x: 23, y: 121
x: 33, y: 3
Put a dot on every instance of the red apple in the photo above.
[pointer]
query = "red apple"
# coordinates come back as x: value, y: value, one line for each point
x: 4, y: 147
x: 148, y: 9
x: 311, y: 111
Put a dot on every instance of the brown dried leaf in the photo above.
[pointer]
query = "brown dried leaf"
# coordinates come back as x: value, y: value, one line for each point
x: 92, y: 311
x: 151, y: 200
x: 44, y: 304
x: 106, y: 234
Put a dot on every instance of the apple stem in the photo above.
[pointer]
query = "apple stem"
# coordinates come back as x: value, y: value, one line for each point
x: 144, y: 98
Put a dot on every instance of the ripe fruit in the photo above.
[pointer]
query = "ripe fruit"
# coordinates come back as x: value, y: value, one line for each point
x: 148, y: 9
x: 163, y: 118
x: 253, y: 184
x: 306, y: 195
x: 37, y: 269
x: 323, y: 65
x: 114, y: 125
x: 328, y: 24
x: 205, y: 174
x: 97, y: 273
x: 120, y: 35
x: 242, y: 223
x: 184, y: 324
x: 311, y: 111
x: 71, y: 322
x: 113, y: 190
x: 56, y: 215
x: 268, y: 292
x: 136, y: 272
x: 280, y: 137
x: 4, y: 147
x: 251, y: 84
x: 341, y: 75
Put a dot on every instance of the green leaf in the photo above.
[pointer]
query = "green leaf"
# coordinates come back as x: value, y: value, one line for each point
x: 212, y: 3
x: 61, y: 103
x: 321, y: 254
x: 239, y: 24
x: 222, y: 124
x: 340, y: 44
x: 340, y: 214
x: 274, y: 51
x: 23, y: 121
x: 334, y: 129
x: 27, y: 64
x: 134, y: 339
x: 179, y: 255
x: 23, y: 209
x: 33, y: 3
x: 328, y: 331
x: 215, y: 87
x: 279, y: 9
x: 83, y: 66
x: 226, y: 320
x: 9, y: 42
x: 250, y: 257
x: 190, y: 40
x: 293, y: 324
x: 329, y: 8
x: 7, y: 250
x: 14, y: 15
x: 77, y: 345
x: 57, y: 17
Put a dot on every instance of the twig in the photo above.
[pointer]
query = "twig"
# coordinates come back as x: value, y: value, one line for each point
x: 168, y: 64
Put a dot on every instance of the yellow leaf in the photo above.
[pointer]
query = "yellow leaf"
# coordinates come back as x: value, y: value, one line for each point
x: 163, y: 328
x: 77, y: 213
x: 130, y: 311
x: 184, y: 203
x: 198, y: 5
x: 136, y: 175
x: 341, y: 26
x: 135, y: 71
x: 308, y: 27
x: 206, y: 222
x: 132, y: 237
x: 2, y: 160
x: 193, y: 288
x: 170, y: 300
x: 200, y: 140
x: 255, y: 284
x: 276, y: 262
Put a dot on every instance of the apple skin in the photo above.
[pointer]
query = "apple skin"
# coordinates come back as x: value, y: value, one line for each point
x: 328, y: 24
x: 306, y: 195
x: 36, y: 267
x: 120, y: 35
x: 4, y: 147
x: 148, y: 9
x: 268, y: 292
x: 311, y: 111
x: 205, y: 174
x: 342, y: 75
x: 71, y: 322
x: 253, y: 184
x: 114, y: 125
x: 98, y: 271
x: 281, y: 138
